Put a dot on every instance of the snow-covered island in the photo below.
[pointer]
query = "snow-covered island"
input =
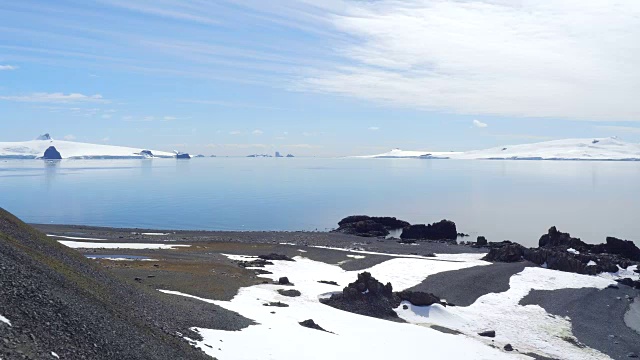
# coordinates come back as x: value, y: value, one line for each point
x: 45, y: 147
x: 604, y: 149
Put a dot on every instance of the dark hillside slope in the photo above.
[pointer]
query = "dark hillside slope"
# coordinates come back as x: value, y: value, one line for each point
x: 58, y: 301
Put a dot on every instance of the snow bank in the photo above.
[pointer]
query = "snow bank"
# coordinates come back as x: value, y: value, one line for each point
x: 5, y: 320
x: 279, y: 336
x: 567, y: 149
x: 528, y: 328
x: 73, y: 150
x: 75, y: 238
x: 118, y: 259
x: 90, y: 245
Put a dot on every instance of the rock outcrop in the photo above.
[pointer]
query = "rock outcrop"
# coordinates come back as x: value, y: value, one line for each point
x: 442, y: 230
x: 369, y: 226
x: 368, y: 296
x: 560, y: 251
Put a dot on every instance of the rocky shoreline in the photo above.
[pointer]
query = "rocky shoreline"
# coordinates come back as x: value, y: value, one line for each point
x: 202, y: 268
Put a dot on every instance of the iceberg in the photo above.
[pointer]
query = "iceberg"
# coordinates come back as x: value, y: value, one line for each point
x: 45, y: 147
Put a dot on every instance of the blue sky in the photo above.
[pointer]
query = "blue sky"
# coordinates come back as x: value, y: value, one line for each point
x: 336, y: 78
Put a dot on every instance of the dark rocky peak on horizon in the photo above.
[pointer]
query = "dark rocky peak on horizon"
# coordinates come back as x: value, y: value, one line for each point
x: 44, y: 137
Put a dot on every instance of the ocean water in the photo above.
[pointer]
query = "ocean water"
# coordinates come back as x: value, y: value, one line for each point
x: 514, y: 200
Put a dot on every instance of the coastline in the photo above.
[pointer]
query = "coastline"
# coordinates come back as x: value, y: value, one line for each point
x: 204, y: 270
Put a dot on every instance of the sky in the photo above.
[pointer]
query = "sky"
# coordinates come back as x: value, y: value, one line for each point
x: 319, y: 78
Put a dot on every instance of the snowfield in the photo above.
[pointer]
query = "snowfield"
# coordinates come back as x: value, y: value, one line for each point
x: 278, y: 334
x: 72, y: 150
x: 569, y: 149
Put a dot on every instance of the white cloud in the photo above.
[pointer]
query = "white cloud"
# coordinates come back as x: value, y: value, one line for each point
x: 235, y: 132
x: 620, y: 129
x: 106, y: 140
x: 571, y: 59
x: 8, y: 67
x: 69, y: 137
x: 127, y: 118
x: 56, y: 98
x: 257, y: 132
x: 479, y: 124
x: 374, y: 128
x: 169, y: 118
x: 148, y: 118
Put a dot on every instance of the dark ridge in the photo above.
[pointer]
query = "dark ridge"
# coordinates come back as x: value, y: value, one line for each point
x: 59, y: 301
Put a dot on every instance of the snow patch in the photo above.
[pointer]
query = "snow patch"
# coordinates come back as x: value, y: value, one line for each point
x: 266, y: 337
x: 75, y: 238
x: 55, y: 355
x: 622, y: 273
x: 573, y: 251
x: 5, y: 320
x: 118, y: 259
x: 528, y: 328
x: 357, y: 256
x: 156, y: 234
x: 90, y: 245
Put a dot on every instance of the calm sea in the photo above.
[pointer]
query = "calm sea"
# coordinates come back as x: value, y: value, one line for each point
x: 515, y: 200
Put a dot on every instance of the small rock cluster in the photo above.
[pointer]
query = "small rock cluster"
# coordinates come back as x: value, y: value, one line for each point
x: 367, y: 296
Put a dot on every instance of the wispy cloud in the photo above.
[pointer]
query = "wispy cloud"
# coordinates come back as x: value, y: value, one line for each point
x: 8, y: 67
x: 235, y: 132
x: 374, y: 128
x: 526, y: 59
x: 169, y: 118
x: 257, y: 132
x: 479, y: 124
x: 56, y: 98
x: 69, y: 137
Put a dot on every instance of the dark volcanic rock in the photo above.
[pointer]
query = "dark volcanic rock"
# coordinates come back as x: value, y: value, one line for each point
x: 312, y: 325
x: 490, y: 333
x: 284, y: 281
x: 328, y: 282
x: 289, y: 293
x: 481, y: 241
x: 442, y: 230
x: 275, y: 257
x: 254, y: 263
x: 508, y: 347
x: 507, y: 253
x: 553, y: 253
x: 624, y: 248
x: 52, y: 154
x: 367, y: 296
x: 556, y: 238
x: 369, y: 226
x: 629, y: 282
x: 388, y: 222
x: 276, y: 304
